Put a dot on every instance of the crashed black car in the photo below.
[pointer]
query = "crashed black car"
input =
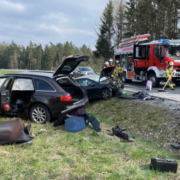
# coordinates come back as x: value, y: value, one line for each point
x: 101, y: 86
x: 43, y: 96
x: 94, y: 88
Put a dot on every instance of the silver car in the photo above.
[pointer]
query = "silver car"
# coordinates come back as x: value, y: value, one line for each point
x: 83, y: 71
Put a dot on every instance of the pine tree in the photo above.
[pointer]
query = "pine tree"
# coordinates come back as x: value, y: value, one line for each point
x: 38, y: 53
x: 13, y: 56
x: 120, y: 24
x: 131, y: 18
x: 47, y: 60
x: 104, y: 44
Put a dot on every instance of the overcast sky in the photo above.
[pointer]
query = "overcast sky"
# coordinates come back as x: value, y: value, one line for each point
x: 44, y: 21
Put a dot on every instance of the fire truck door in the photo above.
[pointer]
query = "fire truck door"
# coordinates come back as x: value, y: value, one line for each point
x: 159, y: 57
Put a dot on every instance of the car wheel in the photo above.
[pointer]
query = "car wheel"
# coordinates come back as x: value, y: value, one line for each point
x: 39, y: 114
x: 106, y: 94
x: 155, y: 81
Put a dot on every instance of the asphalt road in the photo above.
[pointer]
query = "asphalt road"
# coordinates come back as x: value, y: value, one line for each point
x: 169, y: 94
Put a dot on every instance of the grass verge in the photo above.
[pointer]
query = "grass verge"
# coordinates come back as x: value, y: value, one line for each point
x: 84, y: 155
x: 8, y: 72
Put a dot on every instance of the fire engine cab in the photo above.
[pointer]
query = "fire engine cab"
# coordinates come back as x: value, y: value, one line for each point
x: 144, y: 60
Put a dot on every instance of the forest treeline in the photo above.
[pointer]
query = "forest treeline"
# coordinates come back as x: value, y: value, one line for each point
x: 120, y: 19
x: 35, y: 57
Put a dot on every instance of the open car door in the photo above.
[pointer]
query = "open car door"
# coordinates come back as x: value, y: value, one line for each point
x: 5, y: 95
x: 69, y: 64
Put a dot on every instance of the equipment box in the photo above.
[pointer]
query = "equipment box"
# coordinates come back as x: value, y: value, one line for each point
x: 164, y: 165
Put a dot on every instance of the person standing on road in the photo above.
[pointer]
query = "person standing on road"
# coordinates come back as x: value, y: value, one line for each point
x: 111, y: 63
x: 105, y: 65
x: 118, y: 71
x: 168, y: 74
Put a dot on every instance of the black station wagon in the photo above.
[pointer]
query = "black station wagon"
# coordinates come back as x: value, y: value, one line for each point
x: 43, y: 96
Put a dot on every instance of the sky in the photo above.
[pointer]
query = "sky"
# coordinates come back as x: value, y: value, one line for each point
x: 45, y: 21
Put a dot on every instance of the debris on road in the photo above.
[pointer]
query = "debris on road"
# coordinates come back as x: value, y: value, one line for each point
x: 143, y: 95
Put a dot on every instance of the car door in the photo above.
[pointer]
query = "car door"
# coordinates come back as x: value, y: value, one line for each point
x: 2, y: 79
x: 5, y: 94
x: 92, y: 87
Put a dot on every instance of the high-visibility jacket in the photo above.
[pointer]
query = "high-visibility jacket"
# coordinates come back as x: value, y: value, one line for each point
x: 169, y: 71
x: 117, y: 71
x: 110, y: 65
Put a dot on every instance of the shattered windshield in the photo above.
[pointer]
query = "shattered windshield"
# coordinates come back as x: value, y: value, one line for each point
x: 173, y: 51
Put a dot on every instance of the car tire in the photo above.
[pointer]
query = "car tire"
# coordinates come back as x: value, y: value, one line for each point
x: 39, y: 114
x: 154, y: 79
x: 106, y: 94
x: 124, y: 79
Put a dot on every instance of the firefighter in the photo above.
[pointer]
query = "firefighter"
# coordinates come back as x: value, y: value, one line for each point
x: 106, y: 64
x: 118, y: 71
x: 111, y: 63
x: 168, y: 74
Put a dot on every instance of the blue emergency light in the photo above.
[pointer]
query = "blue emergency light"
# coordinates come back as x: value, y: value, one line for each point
x: 163, y: 40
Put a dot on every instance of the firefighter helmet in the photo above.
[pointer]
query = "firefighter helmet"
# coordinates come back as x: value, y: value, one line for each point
x: 106, y: 63
x: 117, y: 62
x: 111, y: 60
x: 171, y: 64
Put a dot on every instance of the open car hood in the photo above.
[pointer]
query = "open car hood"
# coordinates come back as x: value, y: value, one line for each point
x: 69, y: 64
x: 106, y: 72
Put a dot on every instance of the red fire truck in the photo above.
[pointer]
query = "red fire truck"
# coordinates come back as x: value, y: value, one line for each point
x: 144, y: 60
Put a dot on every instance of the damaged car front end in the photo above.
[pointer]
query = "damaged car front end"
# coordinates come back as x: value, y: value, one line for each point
x: 105, y: 78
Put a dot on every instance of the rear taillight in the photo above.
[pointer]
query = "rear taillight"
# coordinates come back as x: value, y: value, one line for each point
x: 66, y: 98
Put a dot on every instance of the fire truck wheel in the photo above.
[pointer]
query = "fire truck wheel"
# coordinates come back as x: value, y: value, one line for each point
x: 124, y: 80
x: 176, y: 82
x: 155, y: 81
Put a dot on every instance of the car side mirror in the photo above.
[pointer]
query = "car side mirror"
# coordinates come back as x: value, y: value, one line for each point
x: 93, y: 84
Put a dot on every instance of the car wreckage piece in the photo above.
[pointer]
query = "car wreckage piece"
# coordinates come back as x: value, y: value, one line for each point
x: 14, y: 131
